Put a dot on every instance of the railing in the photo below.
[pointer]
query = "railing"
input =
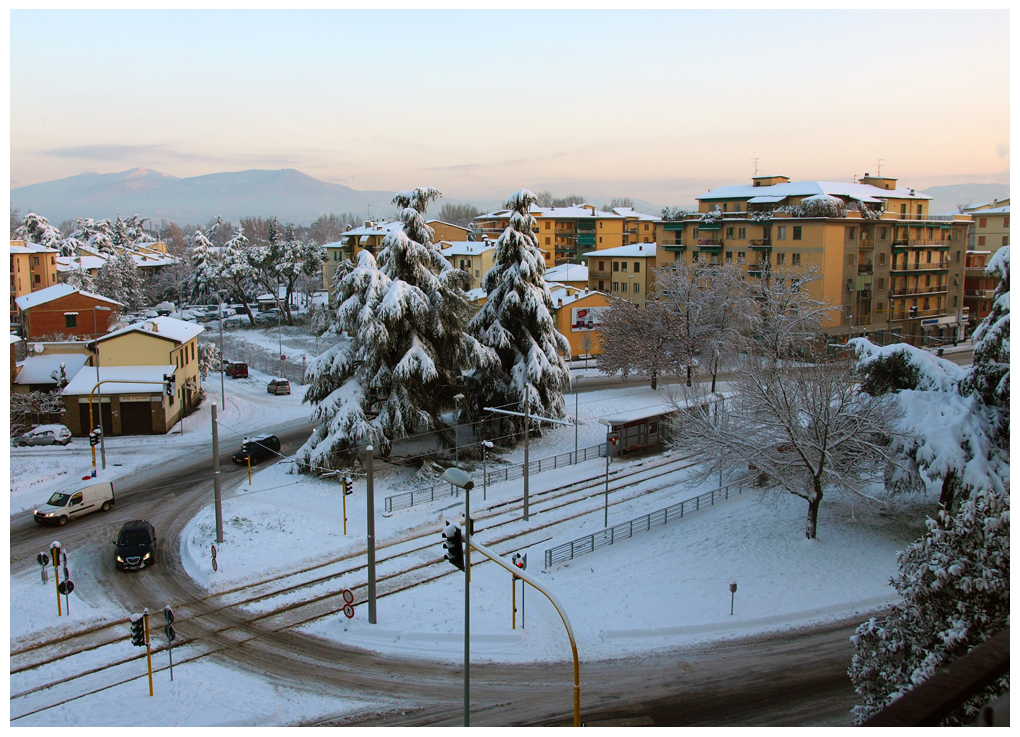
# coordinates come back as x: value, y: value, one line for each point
x: 710, y: 242
x: 444, y: 489
x: 903, y: 291
x: 911, y: 314
x: 921, y: 242
x: 760, y: 243
x: 626, y: 530
x: 983, y: 293
x: 865, y: 268
x: 939, y: 218
x: 920, y: 267
x: 866, y: 243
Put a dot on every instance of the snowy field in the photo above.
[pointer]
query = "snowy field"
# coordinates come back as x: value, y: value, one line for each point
x: 666, y: 587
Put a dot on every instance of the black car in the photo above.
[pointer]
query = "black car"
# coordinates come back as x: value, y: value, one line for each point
x: 258, y: 448
x: 136, y: 545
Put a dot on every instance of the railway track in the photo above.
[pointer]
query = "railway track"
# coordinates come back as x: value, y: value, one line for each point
x: 48, y: 673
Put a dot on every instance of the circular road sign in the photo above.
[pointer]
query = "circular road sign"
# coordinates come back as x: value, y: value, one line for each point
x: 348, y: 596
x: 348, y: 610
x: 65, y: 587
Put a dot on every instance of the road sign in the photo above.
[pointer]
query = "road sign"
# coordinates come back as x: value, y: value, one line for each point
x: 348, y: 603
x: 65, y: 587
x: 168, y: 614
x: 171, y: 634
x: 283, y: 357
x: 43, y: 559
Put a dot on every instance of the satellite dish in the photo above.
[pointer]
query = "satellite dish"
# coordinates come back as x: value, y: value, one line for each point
x: 38, y: 348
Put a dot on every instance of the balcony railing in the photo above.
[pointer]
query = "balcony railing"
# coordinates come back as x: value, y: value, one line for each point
x: 911, y: 314
x: 865, y: 268
x: 934, y: 266
x: 902, y: 291
x: 866, y: 243
x: 980, y: 293
x: 760, y: 243
x: 921, y: 243
x: 710, y: 242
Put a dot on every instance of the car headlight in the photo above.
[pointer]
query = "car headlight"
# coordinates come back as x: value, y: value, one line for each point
x: 147, y: 556
x: 119, y: 559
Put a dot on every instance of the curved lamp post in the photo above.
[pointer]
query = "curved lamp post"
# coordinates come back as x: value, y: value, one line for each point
x: 460, y: 479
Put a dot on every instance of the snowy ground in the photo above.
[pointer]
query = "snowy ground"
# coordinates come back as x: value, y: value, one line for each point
x: 669, y: 586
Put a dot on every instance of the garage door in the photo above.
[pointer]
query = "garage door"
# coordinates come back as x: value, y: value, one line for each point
x: 136, y: 417
x: 83, y: 414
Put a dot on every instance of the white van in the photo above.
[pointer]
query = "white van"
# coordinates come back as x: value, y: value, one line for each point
x: 87, y: 496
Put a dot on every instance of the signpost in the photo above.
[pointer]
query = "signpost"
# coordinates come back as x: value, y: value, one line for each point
x: 44, y: 561
x: 171, y: 635
x: 520, y: 561
x: 348, y: 603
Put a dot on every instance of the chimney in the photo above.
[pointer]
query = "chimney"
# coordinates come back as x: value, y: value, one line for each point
x: 639, y: 248
x: 560, y: 303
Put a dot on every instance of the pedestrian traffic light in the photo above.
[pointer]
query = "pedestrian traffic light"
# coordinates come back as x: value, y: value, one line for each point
x: 138, y: 630
x: 452, y: 543
x: 168, y: 380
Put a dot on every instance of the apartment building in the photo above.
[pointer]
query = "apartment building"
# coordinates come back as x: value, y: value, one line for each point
x: 366, y: 238
x: 33, y: 267
x: 991, y: 226
x: 624, y: 272
x: 474, y: 258
x: 564, y: 234
x: 889, y: 268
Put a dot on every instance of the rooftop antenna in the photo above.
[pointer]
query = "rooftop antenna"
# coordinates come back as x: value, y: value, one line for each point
x: 880, y: 166
x: 755, y: 166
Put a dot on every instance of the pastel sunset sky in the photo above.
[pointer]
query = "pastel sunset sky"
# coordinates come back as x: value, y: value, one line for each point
x: 654, y: 105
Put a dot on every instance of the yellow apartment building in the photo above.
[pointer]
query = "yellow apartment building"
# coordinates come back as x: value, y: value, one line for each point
x: 366, y: 238
x: 443, y: 231
x: 624, y: 272
x: 991, y: 226
x: 576, y: 316
x: 889, y: 268
x: 474, y: 258
x: 32, y: 268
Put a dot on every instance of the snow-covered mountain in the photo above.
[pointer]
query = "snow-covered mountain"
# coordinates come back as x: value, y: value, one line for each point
x: 287, y: 193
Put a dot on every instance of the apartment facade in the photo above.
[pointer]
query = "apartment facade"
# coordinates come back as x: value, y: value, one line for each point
x: 64, y: 310
x: 33, y: 267
x: 624, y: 272
x: 991, y: 226
x: 476, y: 259
x: 889, y: 268
x: 366, y: 238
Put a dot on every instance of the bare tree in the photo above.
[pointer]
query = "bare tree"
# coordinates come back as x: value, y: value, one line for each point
x: 544, y: 198
x: 806, y: 428
x: 458, y: 214
x: 715, y: 306
x: 788, y: 320
x: 647, y: 341
x: 586, y: 343
x: 618, y: 202
x: 331, y: 228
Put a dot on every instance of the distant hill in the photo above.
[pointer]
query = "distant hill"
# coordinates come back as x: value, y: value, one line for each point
x: 287, y: 193
x: 947, y: 198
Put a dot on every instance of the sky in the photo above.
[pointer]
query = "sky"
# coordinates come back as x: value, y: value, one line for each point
x: 657, y: 105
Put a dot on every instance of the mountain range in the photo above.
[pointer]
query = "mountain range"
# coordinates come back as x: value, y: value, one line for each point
x: 287, y: 193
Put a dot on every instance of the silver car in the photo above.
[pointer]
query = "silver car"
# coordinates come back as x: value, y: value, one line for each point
x: 45, y: 435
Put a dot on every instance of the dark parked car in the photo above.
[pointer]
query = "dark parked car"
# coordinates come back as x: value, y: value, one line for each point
x: 236, y: 370
x: 258, y: 448
x: 136, y: 545
x: 278, y: 386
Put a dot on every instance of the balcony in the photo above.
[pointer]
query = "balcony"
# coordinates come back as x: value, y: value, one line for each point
x: 865, y: 267
x: 912, y: 314
x: 935, y: 266
x: 921, y: 243
x: 904, y: 291
x: 866, y: 243
x: 979, y: 293
x: 760, y: 243
x: 710, y: 242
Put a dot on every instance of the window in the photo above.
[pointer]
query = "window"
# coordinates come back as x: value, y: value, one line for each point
x: 903, y: 211
x: 851, y: 259
x: 623, y: 287
x: 646, y: 226
x: 602, y: 286
x: 616, y: 286
x: 780, y: 258
x: 881, y: 233
x: 192, y: 351
x: 795, y: 259
x: 637, y: 289
x: 741, y: 258
x: 982, y: 223
x: 1005, y: 240
x: 741, y: 233
x: 602, y: 265
x: 781, y: 232
x: 637, y: 267
x: 958, y: 254
x: 547, y: 224
x: 931, y: 234
x: 37, y: 279
x: 616, y: 266
x: 1005, y: 222
x: 600, y: 239
x: 35, y: 260
x: 725, y: 206
x: 623, y: 266
x: 880, y: 307
x: 920, y: 210
x: 694, y: 257
x: 601, y: 224
x: 881, y: 282
x: 547, y: 241
x: 729, y: 257
x: 981, y: 242
x: 729, y: 233
x: 881, y: 259
x: 852, y: 232
x: 70, y: 321
x: 797, y: 232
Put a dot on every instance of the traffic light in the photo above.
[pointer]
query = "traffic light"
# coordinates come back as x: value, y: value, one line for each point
x: 348, y: 486
x: 168, y: 379
x: 94, y: 436
x: 452, y: 543
x: 138, y: 630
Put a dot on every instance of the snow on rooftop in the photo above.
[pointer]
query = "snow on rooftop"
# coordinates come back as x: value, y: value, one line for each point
x: 57, y: 291
x: 805, y: 189
x: 634, y: 250
x: 38, y: 369
x: 567, y: 273
x: 176, y: 330
x: 466, y: 248
x: 118, y: 380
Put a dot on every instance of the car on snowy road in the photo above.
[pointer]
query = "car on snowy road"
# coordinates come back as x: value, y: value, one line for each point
x: 278, y: 387
x: 257, y: 449
x: 136, y: 545
x: 45, y: 435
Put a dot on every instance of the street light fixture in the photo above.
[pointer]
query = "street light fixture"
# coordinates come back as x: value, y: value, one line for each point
x: 95, y: 332
x: 458, y: 478
x: 609, y: 426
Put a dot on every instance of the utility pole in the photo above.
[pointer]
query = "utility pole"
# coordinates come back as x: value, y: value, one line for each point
x: 223, y: 387
x: 216, y: 476
x: 370, y: 500
x: 527, y: 433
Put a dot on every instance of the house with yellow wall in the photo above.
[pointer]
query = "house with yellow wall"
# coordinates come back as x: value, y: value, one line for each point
x: 367, y: 238
x: 450, y: 232
x: 33, y: 267
x: 475, y: 259
x: 564, y: 233
x: 624, y: 272
x: 576, y: 315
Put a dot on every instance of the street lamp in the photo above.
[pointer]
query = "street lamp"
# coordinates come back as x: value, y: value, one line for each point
x: 95, y: 333
x: 458, y: 478
x: 604, y: 421
x: 457, y: 398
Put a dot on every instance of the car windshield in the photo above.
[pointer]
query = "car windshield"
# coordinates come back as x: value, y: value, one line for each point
x: 58, y: 499
x: 133, y: 537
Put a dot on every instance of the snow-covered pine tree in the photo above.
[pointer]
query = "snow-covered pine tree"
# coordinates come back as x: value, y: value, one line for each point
x: 403, y: 347
x: 79, y: 278
x: 516, y: 323
x: 37, y: 229
x: 234, y: 274
x: 954, y: 581
x: 203, y: 267
x: 119, y: 236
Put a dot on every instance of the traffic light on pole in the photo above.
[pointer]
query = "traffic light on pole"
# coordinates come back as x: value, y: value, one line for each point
x: 347, y: 486
x: 168, y: 380
x: 453, y: 544
x: 94, y: 435
x: 138, y: 630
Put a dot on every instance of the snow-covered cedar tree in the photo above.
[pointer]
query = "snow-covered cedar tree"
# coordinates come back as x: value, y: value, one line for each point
x: 37, y: 229
x: 202, y: 283
x: 954, y: 581
x: 648, y: 341
x: 208, y: 359
x: 954, y: 584
x: 806, y: 428
x: 79, y: 277
x: 234, y: 274
x: 516, y: 324
x: 118, y: 279
x: 402, y: 348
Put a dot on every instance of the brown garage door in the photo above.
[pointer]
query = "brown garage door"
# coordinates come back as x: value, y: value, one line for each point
x: 136, y: 417
x: 83, y: 414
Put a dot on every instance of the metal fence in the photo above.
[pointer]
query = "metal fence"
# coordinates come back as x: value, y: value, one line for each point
x: 444, y: 489
x: 625, y: 530
x: 260, y: 358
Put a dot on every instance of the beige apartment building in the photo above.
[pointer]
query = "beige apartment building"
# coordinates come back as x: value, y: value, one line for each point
x: 889, y: 268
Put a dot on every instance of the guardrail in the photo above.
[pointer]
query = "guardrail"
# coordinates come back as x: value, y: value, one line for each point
x: 626, y: 530
x: 444, y: 489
